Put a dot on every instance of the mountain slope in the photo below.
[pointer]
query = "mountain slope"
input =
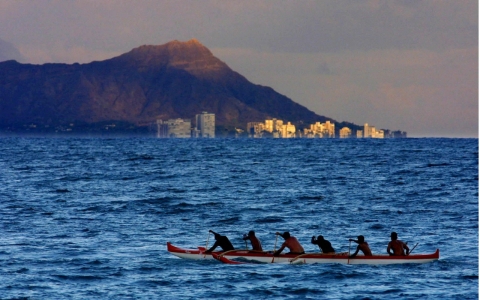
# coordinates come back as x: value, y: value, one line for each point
x: 175, y: 80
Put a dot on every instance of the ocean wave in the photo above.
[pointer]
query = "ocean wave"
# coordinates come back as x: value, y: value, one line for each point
x: 267, y: 220
x: 429, y: 165
x: 79, y: 277
x: 140, y: 157
x: 377, y: 226
x: 312, y: 197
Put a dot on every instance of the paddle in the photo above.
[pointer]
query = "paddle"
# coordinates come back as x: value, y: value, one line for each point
x: 349, y: 244
x: 226, y: 260
x: 412, y: 249
x: 206, y: 245
x: 275, y: 247
x: 297, y: 257
x: 223, y: 253
x: 208, y: 237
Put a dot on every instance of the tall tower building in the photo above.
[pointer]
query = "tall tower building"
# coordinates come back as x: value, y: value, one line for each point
x: 205, y: 125
x: 329, y: 129
x: 367, y: 132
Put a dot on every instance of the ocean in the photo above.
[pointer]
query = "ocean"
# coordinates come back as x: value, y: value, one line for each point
x: 89, y: 218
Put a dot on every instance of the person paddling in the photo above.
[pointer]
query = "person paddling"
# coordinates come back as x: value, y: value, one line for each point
x: 256, y: 244
x: 220, y: 241
x: 362, y: 245
x: 291, y: 243
x: 397, y: 246
x: 323, y: 244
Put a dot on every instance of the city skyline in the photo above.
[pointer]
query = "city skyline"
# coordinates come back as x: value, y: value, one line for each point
x: 404, y: 65
x: 271, y: 128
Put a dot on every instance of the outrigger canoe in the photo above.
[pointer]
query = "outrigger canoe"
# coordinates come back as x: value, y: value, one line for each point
x: 308, y: 258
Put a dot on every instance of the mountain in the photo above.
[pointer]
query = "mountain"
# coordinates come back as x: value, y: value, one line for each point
x: 174, y: 80
x: 9, y: 52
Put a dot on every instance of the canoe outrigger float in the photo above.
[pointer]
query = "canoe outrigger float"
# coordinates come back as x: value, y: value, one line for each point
x: 307, y: 258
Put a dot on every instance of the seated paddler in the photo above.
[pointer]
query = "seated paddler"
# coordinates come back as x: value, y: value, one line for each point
x: 291, y: 243
x: 396, y: 246
x: 362, y: 246
x: 256, y: 244
x: 220, y: 241
x: 323, y: 244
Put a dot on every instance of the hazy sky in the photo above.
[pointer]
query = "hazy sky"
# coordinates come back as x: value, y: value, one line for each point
x: 408, y: 65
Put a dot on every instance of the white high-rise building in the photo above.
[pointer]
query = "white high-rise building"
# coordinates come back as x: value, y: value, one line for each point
x: 205, y: 125
x: 368, y: 131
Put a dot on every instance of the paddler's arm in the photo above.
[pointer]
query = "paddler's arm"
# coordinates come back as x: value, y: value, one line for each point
x: 277, y: 253
x: 388, y: 249
x: 215, y: 245
x: 356, y: 252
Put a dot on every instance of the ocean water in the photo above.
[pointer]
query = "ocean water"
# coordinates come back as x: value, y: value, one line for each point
x: 89, y: 218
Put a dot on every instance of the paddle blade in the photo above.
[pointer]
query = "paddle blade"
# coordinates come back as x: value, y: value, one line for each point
x: 225, y: 260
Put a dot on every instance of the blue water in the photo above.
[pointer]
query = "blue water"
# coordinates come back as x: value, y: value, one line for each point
x: 89, y: 218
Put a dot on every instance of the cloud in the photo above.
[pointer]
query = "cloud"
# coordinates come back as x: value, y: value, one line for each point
x: 324, y: 69
x: 9, y: 51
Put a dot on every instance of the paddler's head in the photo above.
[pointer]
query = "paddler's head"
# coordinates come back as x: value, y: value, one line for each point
x: 286, y: 235
x: 393, y: 236
x: 320, y: 238
x: 361, y: 239
x: 251, y: 233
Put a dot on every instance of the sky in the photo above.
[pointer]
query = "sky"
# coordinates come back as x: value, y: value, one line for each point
x: 409, y: 65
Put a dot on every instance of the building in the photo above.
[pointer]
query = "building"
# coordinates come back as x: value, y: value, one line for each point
x: 277, y: 129
x: 174, y: 128
x: 395, y: 134
x: 205, y: 125
x: 379, y: 134
x: 273, y: 125
x: 345, y: 132
x: 372, y: 132
x: 255, y: 129
x: 359, y: 134
x: 368, y: 130
x: 288, y: 130
x: 329, y: 129
x: 320, y: 130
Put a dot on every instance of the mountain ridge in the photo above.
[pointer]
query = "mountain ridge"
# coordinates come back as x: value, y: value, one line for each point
x: 173, y: 80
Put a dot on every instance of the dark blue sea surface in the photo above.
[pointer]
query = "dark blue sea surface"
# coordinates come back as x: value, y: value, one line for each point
x: 89, y: 218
